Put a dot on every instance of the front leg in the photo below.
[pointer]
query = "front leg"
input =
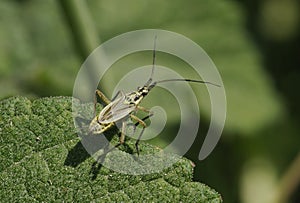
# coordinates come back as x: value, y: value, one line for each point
x: 140, y: 121
x: 143, y: 109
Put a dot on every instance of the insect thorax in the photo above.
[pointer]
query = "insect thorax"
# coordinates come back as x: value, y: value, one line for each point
x: 137, y: 96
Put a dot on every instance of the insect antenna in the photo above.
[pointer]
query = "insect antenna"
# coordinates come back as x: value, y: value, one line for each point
x: 184, y: 80
x: 153, y: 63
x: 151, y: 84
x: 187, y: 80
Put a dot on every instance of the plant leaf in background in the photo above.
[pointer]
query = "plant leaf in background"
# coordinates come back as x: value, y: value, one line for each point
x: 218, y: 27
x: 50, y: 63
x: 42, y: 160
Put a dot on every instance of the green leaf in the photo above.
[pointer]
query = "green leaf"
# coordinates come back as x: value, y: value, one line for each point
x: 37, y: 39
x: 42, y: 160
x: 219, y: 28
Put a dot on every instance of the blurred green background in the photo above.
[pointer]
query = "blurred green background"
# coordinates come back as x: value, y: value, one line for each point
x: 255, y: 45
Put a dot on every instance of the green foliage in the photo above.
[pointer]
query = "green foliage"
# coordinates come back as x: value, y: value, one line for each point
x: 42, y: 160
x: 38, y: 56
x: 219, y: 28
x: 255, y: 49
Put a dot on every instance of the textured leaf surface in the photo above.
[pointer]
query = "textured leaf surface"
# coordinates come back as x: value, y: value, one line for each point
x: 42, y: 160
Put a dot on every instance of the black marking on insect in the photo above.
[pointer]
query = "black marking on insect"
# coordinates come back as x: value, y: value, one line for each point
x: 124, y: 105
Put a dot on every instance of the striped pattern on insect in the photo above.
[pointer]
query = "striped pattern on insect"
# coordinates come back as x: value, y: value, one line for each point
x: 124, y: 106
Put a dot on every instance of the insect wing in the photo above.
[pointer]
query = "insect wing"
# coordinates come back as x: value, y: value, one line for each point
x: 115, y: 110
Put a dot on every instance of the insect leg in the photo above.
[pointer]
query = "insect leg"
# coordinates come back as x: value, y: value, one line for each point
x: 140, y: 121
x: 122, y: 133
x: 140, y: 136
x: 143, y: 119
x: 104, y: 99
x: 143, y: 109
x: 138, y: 140
x: 122, y: 137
